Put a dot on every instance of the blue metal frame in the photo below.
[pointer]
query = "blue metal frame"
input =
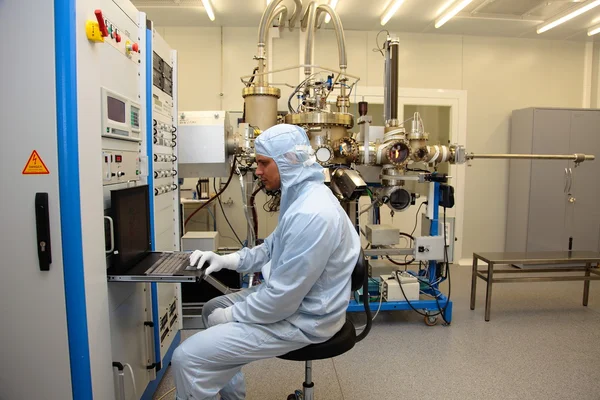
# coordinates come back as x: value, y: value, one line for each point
x: 69, y: 192
x: 425, y: 305
x: 153, y: 385
x: 149, y: 143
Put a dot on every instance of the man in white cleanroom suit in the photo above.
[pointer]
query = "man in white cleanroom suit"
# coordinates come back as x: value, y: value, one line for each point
x: 307, y: 263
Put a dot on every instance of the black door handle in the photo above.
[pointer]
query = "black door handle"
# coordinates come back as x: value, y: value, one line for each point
x: 42, y: 221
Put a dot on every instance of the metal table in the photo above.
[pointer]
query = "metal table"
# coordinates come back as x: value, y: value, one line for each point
x: 583, y: 258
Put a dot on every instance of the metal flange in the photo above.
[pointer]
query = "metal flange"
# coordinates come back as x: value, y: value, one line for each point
x: 320, y: 118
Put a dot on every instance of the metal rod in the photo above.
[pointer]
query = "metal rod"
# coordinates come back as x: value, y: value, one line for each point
x: 300, y: 66
x: 572, y: 157
x: 537, y: 271
x: 546, y: 279
x: 389, y: 252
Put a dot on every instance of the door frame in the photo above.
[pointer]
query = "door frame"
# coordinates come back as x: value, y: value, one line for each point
x: 457, y: 101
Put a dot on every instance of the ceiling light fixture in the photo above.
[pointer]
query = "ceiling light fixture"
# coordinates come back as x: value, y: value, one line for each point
x: 452, y: 12
x: 444, y: 7
x: 391, y: 10
x: 209, y: 10
x: 332, y: 4
x: 582, y: 8
x: 594, y: 30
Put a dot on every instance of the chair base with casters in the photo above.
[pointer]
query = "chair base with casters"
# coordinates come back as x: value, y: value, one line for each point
x: 341, y: 342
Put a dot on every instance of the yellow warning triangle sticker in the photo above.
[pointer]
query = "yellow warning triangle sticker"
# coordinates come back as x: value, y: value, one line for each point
x: 35, y: 165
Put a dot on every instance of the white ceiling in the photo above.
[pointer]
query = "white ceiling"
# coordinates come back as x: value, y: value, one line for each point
x: 512, y: 18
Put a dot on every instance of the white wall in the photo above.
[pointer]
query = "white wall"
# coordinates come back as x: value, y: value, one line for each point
x: 499, y: 75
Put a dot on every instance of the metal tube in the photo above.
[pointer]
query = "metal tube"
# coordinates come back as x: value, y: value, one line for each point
x: 308, y: 22
x: 572, y: 157
x: 296, y: 14
x: 339, y: 32
x: 308, y: 372
x: 279, y: 10
x: 263, y: 29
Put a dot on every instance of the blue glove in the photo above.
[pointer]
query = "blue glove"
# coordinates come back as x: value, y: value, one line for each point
x: 220, y: 316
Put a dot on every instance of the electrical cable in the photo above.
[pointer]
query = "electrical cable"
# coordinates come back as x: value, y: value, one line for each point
x: 411, y: 237
x: 417, y: 218
x: 380, y: 49
x: 215, y: 196
x: 368, y: 207
x: 378, y: 309
x: 408, y: 301
x: 132, y: 379
x: 213, y: 217
x: 446, y: 260
x: 225, y: 215
x: 254, y: 213
x: 165, y: 395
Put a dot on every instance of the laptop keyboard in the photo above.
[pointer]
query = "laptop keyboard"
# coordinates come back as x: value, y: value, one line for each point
x: 169, y: 264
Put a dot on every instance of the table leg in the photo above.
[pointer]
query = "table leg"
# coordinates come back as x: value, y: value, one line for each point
x: 474, y: 283
x: 488, y: 293
x: 586, y: 285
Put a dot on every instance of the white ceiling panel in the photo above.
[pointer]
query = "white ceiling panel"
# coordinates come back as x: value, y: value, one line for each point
x: 509, y: 18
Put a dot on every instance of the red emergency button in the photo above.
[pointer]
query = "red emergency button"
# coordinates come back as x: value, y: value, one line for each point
x: 135, y: 47
x: 117, y: 37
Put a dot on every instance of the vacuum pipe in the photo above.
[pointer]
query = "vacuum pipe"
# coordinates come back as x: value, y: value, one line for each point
x: 263, y: 29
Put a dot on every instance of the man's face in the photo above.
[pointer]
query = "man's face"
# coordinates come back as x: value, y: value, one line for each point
x: 268, y: 172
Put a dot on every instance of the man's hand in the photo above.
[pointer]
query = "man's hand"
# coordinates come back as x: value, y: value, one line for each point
x: 214, y: 262
x: 220, y: 316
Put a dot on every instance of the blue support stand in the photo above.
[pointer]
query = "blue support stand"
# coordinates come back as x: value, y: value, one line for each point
x: 431, y: 307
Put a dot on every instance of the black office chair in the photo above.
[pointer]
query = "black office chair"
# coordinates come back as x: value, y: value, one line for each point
x: 343, y: 341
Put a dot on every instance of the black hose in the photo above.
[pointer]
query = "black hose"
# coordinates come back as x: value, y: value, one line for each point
x: 215, y: 196
x: 254, y: 213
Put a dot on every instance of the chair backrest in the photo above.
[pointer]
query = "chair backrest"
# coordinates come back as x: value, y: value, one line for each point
x: 360, y: 269
x: 360, y: 279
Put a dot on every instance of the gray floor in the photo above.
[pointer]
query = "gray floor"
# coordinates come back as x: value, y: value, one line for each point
x: 541, y: 343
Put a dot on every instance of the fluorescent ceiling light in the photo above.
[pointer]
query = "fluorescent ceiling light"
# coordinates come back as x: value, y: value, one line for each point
x: 582, y: 8
x: 444, y: 7
x: 391, y: 10
x: 209, y: 10
x: 452, y: 12
x: 332, y: 3
x: 594, y: 30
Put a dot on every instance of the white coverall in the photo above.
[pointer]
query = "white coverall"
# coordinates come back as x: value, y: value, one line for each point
x: 307, y: 263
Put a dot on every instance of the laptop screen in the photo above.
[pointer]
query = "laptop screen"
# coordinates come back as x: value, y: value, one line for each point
x: 130, y: 212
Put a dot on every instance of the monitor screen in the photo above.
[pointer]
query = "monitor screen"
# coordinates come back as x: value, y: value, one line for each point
x: 130, y: 212
x: 115, y: 109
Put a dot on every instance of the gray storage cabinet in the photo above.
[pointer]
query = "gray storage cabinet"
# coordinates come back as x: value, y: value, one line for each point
x: 540, y: 215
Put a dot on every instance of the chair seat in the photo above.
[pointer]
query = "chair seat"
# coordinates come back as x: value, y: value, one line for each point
x: 343, y: 341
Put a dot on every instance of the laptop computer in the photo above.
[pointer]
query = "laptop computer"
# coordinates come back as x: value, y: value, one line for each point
x: 130, y: 209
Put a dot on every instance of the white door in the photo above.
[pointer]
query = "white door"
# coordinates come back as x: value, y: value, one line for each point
x: 33, y: 339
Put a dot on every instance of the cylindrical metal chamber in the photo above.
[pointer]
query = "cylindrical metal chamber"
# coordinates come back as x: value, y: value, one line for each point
x: 261, y: 106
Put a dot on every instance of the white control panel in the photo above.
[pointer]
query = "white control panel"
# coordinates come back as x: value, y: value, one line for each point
x: 120, y: 166
x: 429, y: 248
